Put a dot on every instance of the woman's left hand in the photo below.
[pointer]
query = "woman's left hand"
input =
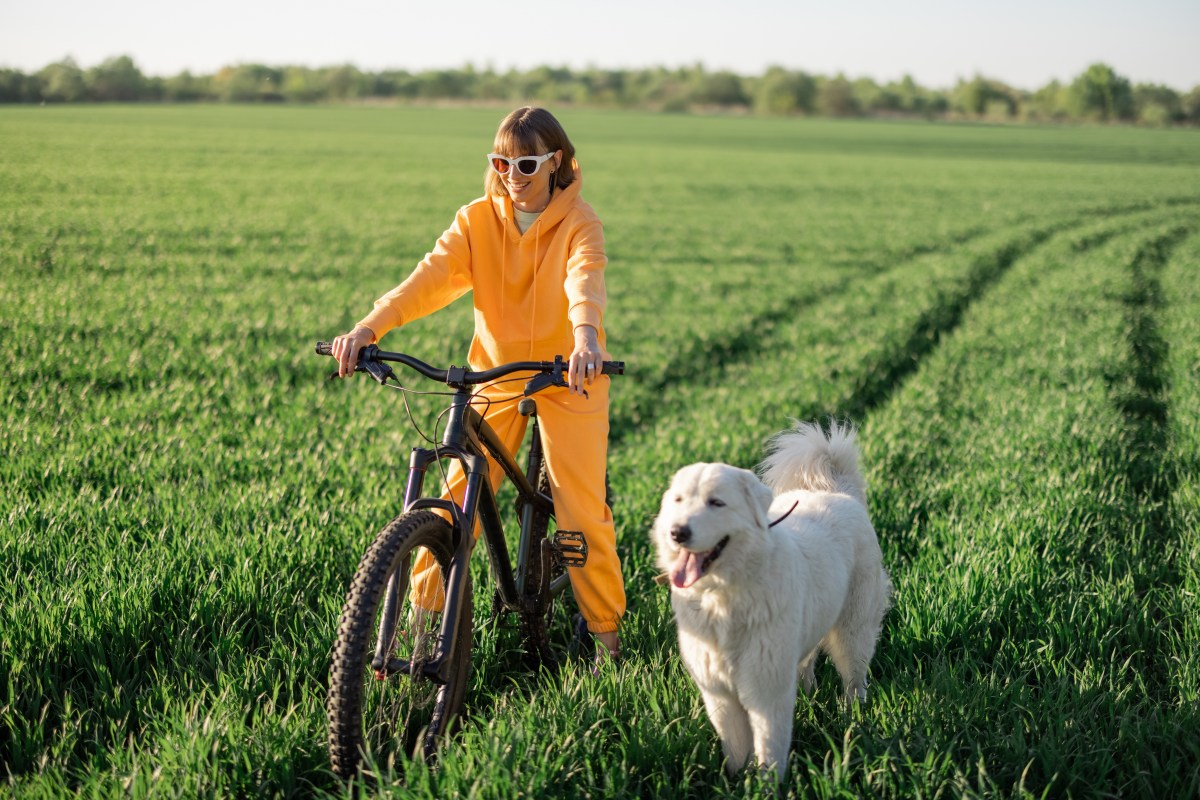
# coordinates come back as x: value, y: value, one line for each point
x: 586, y: 360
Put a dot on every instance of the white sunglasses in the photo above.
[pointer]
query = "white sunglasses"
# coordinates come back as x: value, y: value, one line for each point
x: 526, y: 165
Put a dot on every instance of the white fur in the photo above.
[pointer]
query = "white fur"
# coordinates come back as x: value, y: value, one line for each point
x: 752, y: 624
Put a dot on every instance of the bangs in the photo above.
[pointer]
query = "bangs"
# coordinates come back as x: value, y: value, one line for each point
x: 519, y: 140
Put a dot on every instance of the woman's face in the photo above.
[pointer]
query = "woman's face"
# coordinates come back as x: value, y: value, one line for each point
x: 531, y: 192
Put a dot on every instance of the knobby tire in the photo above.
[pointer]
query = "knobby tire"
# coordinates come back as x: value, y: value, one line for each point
x: 371, y: 721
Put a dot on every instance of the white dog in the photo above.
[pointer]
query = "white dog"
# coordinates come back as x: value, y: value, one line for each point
x: 763, y: 575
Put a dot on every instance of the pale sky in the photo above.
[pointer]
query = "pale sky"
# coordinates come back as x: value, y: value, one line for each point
x: 1021, y: 42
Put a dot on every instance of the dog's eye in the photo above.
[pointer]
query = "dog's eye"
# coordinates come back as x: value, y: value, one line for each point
x: 716, y: 502
x: 678, y: 498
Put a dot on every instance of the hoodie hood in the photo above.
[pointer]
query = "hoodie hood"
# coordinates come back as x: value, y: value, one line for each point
x: 561, y: 203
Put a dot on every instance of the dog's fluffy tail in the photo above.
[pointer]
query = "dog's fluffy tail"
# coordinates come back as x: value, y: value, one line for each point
x: 808, y: 458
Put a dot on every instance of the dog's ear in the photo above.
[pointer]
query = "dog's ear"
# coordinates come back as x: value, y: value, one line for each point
x: 758, y: 496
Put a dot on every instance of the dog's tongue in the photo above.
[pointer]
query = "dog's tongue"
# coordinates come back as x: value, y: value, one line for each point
x: 686, y: 569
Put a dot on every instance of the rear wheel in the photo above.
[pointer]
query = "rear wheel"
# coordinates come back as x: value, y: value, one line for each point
x: 539, y: 573
x: 378, y: 712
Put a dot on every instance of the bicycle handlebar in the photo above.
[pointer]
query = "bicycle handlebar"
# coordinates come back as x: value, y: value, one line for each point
x: 457, y: 377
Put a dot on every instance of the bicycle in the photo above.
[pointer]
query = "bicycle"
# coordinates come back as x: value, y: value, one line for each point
x: 398, y: 674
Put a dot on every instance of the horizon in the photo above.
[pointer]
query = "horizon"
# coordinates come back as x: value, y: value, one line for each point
x: 936, y: 43
x: 1065, y: 81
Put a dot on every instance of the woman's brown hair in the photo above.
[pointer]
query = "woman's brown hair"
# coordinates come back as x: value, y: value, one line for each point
x: 531, y: 131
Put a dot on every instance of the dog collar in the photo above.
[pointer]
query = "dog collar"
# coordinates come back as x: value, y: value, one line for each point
x: 785, y: 516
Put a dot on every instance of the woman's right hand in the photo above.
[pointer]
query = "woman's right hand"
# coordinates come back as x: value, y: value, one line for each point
x: 345, y: 348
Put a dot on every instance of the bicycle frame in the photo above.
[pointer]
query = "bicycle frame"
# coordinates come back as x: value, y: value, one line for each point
x: 469, y: 439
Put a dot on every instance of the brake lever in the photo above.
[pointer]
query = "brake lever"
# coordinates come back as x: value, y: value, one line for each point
x: 541, y: 381
x: 386, y: 373
x: 545, y: 379
x: 378, y: 370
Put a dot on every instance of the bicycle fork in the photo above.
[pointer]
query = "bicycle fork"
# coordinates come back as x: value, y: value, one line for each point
x: 434, y: 668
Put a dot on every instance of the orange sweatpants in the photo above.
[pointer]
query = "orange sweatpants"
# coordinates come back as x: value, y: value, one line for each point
x: 575, y: 439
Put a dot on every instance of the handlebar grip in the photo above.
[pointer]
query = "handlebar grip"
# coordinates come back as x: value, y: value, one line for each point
x: 613, y: 368
x: 324, y: 349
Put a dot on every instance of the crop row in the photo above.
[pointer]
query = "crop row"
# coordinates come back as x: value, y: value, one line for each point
x: 1179, y: 319
x: 1030, y: 563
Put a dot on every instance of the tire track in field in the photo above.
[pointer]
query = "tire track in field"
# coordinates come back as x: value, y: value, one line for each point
x: 881, y: 381
x: 706, y: 360
x: 1140, y: 455
x: 1142, y: 392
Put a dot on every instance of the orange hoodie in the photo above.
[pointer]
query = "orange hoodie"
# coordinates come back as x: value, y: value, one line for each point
x: 530, y: 291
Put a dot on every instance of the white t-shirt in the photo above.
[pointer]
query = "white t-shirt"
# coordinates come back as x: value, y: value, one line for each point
x: 526, y: 218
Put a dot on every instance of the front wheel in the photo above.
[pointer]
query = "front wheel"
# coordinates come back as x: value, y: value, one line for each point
x: 377, y: 712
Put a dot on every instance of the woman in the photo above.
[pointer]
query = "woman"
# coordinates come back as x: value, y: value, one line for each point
x: 532, y: 251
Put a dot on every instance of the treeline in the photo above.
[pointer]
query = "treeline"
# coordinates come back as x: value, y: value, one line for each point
x: 1099, y: 94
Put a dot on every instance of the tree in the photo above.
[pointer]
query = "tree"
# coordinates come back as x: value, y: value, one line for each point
x: 782, y: 91
x: 984, y: 97
x: 1191, y: 105
x: 248, y: 82
x: 546, y: 84
x: 344, y: 82
x: 490, y: 85
x: 186, y: 88
x: 1050, y: 103
x: 63, y: 82
x: 607, y: 87
x: 302, y: 85
x: 910, y: 98
x: 669, y: 89
x: 871, y: 97
x: 17, y: 87
x: 392, y: 83
x: 116, y: 79
x: 835, y: 97
x: 443, y: 83
x: 719, y: 89
x: 1157, y: 105
x: 1101, y: 94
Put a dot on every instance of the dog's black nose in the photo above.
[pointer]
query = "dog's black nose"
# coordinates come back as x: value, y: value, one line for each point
x: 681, y: 533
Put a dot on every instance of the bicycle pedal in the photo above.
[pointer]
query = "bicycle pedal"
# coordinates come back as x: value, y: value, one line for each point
x: 571, y: 548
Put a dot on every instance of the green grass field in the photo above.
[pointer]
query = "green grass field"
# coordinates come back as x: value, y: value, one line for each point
x: 1009, y: 313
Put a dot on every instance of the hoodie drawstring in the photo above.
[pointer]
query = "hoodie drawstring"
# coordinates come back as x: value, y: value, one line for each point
x: 537, y: 234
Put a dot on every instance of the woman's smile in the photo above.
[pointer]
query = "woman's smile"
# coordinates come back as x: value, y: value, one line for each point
x: 528, y: 192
